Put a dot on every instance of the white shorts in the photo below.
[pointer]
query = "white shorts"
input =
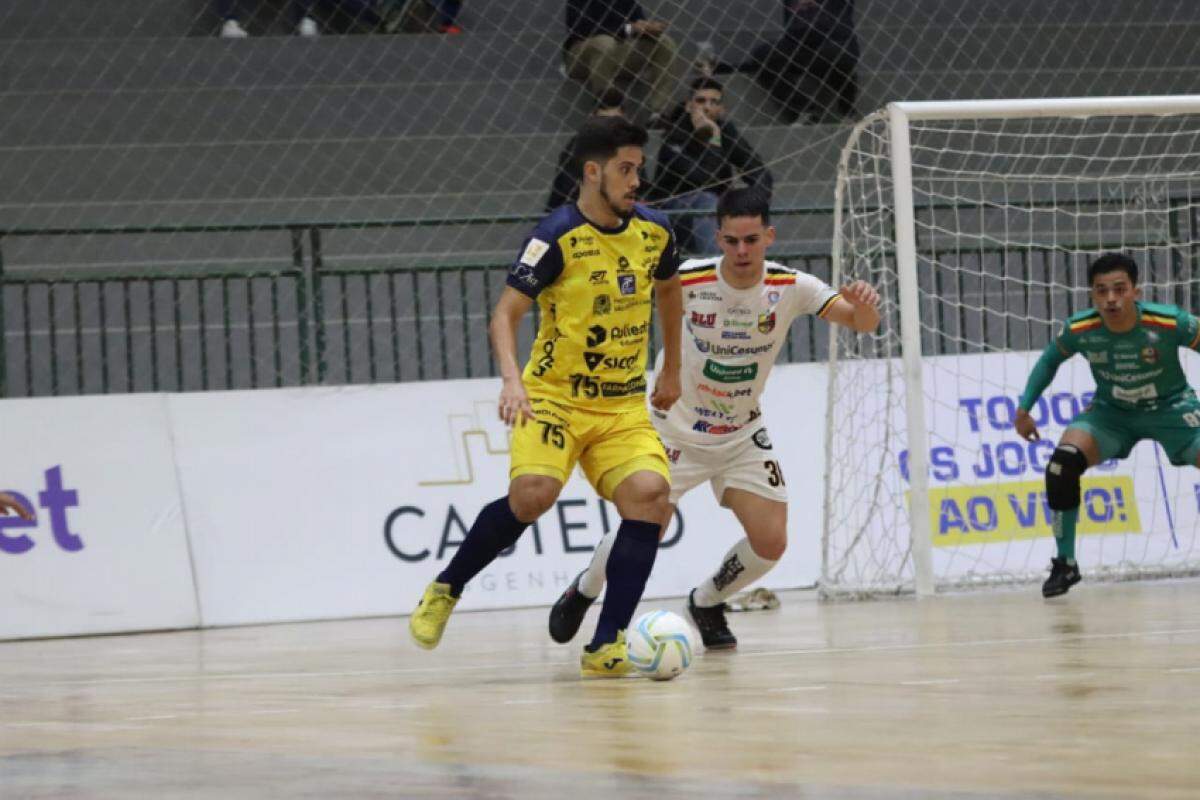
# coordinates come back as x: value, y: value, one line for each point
x: 749, y: 464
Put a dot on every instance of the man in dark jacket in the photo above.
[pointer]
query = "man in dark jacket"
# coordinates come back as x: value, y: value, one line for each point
x: 811, y: 69
x: 612, y: 43
x: 701, y: 156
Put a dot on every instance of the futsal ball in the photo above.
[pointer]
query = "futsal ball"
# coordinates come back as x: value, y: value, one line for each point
x: 661, y: 645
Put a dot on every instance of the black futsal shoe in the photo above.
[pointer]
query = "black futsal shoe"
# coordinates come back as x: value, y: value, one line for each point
x: 568, y: 612
x: 714, y: 630
x: 1062, y: 577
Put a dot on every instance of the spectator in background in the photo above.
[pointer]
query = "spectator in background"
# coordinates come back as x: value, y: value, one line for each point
x: 701, y: 156
x: 447, y: 15
x: 611, y: 43
x: 231, y: 26
x: 565, y: 188
x: 8, y: 504
x: 811, y: 70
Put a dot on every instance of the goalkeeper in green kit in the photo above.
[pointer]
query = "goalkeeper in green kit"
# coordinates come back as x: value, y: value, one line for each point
x: 1141, y: 393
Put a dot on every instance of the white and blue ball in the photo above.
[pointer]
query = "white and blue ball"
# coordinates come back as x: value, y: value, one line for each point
x: 661, y: 645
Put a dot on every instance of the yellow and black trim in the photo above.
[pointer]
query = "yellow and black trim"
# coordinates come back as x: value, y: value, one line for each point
x: 1159, y: 321
x: 1084, y: 322
x: 694, y: 275
x: 828, y: 304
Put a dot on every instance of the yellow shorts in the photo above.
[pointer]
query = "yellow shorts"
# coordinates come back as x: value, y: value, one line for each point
x: 609, y: 447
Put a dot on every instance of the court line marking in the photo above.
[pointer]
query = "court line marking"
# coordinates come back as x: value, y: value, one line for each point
x: 75, y: 725
x: 155, y: 716
x: 931, y: 682
x: 1184, y: 669
x: 444, y: 668
x: 819, y: 688
x: 1048, y: 676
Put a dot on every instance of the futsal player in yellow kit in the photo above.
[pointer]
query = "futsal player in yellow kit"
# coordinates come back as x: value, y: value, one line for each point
x: 594, y: 267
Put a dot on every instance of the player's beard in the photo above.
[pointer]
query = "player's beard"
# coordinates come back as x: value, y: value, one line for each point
x: 623, y: 213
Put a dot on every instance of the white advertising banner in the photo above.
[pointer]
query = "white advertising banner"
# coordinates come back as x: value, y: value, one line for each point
x: 325, y: 503
x: 988, y: 509
x: 107, y: 550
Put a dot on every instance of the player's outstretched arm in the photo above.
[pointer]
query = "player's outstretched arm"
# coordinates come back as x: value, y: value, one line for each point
x: 857, y: 307
x: 8, y: 504
x: 1039, y: 378
x: 668, y: 296
x: 512, y: 306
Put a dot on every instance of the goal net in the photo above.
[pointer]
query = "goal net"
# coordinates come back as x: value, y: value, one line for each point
x: 977, y: 221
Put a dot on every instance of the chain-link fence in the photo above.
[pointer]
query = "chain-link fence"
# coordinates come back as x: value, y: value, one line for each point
x: 221, y: 195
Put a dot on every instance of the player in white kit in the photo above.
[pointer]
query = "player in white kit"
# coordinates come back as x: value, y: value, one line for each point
x: 738, y: 308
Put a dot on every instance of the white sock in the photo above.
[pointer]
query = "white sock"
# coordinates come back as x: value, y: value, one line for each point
x: 739, y: 568
x: 591, y: 583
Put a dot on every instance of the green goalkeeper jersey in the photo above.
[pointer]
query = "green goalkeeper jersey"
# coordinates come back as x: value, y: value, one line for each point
x: 1138, y: 369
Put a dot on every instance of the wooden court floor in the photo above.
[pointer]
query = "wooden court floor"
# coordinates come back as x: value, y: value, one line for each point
x: 993, y: 695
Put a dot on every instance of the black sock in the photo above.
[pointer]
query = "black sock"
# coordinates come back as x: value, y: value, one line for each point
x: 629, y: 565
x: 494, y: 530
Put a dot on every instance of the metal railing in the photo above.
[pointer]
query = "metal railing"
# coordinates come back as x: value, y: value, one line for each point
x: 100, y: 332
x: 88, y: 332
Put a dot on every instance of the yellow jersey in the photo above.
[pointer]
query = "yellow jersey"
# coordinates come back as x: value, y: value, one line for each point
x: 593, y: 287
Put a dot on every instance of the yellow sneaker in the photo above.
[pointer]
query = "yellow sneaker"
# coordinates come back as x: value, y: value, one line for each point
x: 433, y: 612
x: 609, y: 661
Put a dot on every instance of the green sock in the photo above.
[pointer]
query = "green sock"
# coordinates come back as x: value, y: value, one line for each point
x: 1064, y: 533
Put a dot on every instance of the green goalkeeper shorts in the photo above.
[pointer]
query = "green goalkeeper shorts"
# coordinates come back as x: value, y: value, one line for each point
x: 1176, y: 427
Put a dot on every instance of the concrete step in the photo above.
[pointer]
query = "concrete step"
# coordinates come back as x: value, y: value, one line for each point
x: 281, y: 63
x: 409, y: 176
x: 123, y: 19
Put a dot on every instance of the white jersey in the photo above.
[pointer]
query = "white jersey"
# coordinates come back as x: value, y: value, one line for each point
x: 731, y: 338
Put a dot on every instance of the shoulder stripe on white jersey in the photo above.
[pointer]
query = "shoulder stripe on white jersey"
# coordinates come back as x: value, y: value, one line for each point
x: 698, y: 264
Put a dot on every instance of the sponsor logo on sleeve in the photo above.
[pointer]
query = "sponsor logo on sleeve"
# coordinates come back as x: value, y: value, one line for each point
x: 627, y: 284
x: 704, y: 320
x: 597, y: 277
x: 602, y: 305
x: 534, y: 252
x: 766, y: 322
x: 524, y: 274
x: 761, y: 439
x: 597, y: 335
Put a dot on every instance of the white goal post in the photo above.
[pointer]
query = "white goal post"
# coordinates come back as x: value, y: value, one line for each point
x: 976, y: 220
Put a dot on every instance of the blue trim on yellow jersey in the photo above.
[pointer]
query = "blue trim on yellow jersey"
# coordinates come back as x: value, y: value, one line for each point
x: 548, y: 259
